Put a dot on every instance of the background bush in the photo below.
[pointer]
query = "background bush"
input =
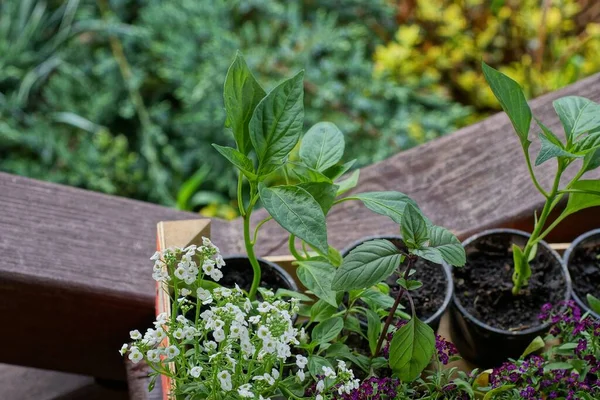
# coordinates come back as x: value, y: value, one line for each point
x: 125, y: 97
x: 440, y: 43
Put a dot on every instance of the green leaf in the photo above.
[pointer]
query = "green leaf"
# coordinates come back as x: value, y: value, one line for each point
x: 492, y: 393
x: 443, y: 245
x: 411, y: 349
x: 349, y: 183
x: 286, y: 293
x: 414, y: 228
x: 557, y: 365
x: 511, y: 98
x: 377, y: 298
x: 316, y: 364
x: 242, y: 93
x: 373, y: 329
x: 587, y: 143
x: 550, y: 150
x: 352, y: 324
x: 522, y: 270
x: 338, y: 170
x: 306, y: 174
x: 323, y: 192
x: 580, y: 200
x: 190, y: 187
x: 535, y: 345
x: 321, y: 310
x: 239, y: 160
x: 322, y: 146
x: 276, y: 124
x: 577, y: 115
x: 366, y: 265
x: 317, y: 277
x: 594, y: 303
x: 298, y: 213
x: 591, y: 161
x: 334, y: 257
x: 327, y: 330
x: 390, y: 204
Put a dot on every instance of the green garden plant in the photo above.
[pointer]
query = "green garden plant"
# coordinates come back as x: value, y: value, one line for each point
x: 580, y: 119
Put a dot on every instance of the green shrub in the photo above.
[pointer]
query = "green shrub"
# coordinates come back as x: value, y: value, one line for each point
x: 141, y: 125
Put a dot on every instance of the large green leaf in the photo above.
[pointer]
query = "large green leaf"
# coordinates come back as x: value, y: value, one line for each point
x: 443, y: 245
x: 390, y: 204
x: 373, y: 329
x: 414, y: 228
x: 577, y: 115
x: 298, y: 213
x: 411, y: 349
x: 322, y: 146
x: 366, y: 265
x: 242, y: 94
x: 581, y: 199
x: 323, y: 192
x: 551, y: 150
x: 317, y: 277
x: 321, y: 310
x: 276, y: 123
x: 238, y: 159
x: 327, y: 330
x: 306, y: 174
x: 511, y: 98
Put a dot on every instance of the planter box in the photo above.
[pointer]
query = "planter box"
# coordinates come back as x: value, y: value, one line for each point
x: 184, y: 233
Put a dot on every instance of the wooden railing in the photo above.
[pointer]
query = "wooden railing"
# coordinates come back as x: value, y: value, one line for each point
x: 75, y: 275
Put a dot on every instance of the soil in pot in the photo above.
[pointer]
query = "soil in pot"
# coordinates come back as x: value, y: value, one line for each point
x: 584, y: 267
x: 239, y: 270
x: 484, y: 285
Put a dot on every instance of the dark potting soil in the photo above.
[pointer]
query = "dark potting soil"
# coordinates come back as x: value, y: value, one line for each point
x: 240, y: 272
x: 584, y: 267
x: 484, y: 285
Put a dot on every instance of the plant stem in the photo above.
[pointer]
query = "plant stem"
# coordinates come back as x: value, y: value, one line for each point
x: 240, y: 197
x: 532, y: 174
x: 250, y: 249
x: 261, y: 223
x: 292, y: 247
x: 390, y: 317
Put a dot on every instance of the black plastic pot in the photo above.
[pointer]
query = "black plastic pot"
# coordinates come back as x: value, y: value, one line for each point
x: 238, y: 270
x: 487, y: 346
x: 433, y: 320
x: 591, y: 239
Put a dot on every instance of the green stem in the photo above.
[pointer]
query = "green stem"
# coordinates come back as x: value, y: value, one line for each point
x: 240, y: 197
x: 250, y: 249
x: 533, y: 178
x: 261, y: 223
x: 292, y: 247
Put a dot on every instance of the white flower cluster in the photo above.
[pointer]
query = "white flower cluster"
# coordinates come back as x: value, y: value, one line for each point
x: 342, y: 381
x: 189, y: 264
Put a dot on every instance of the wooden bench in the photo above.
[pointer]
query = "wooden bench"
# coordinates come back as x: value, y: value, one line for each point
x: 75, y: 275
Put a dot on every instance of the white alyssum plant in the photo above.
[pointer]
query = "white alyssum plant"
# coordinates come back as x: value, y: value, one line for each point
x: 217, y: 344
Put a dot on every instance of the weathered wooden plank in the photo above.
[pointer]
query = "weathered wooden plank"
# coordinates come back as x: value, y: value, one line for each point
x: 75, y: 278
x: 75, y: 263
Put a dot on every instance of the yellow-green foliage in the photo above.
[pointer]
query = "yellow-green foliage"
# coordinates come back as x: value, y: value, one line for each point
x: 442, y: 43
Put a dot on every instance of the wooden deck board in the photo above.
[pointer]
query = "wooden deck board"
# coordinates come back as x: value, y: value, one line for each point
x: 75, y: 276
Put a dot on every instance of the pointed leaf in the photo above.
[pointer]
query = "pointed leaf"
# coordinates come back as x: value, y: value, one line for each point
x: 594, y: 303
x: 373, y: 329
x: 411, y: 349
x: 492, y: 393
x: 239, y: 160
x: 316, y: 364
x: 390, y: 204
x: 327, y: 330
x: 550, y: 150
x: 591, y: 161
x: 276, y: 123
x: 587, y: 143
x: 366, y: 265
x: 317, y: 277
x: 535, y: 345
x: 577, y: 115
x: 306, y: 174
x: 338, y: 170
x: 323, y: 192
x: 242, y: 94
x: 511, y: 98
x: 349, y: 183
x: 321, y: 310
x: 414, y: 228
x: 322, y: 146
x: 298, y: 213
x: 443, y: 245
x: 581, y: 200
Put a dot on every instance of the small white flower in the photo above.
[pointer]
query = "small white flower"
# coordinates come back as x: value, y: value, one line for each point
x: 225, y: 379
x: 255, y: 319
x: 172, y: 351
x: 208, y: 266
x: 123, y: 349
x: 275, y: 373
x: 263, y: 332
x: 320, y: 386
x: 217, y: 275
x: 153, y: 356
x: 210, y: 346
x: 185, y: 292
x: 219, y: 324
x: 301, y: 361
x: 204, y: 296
x: 178, y: 334
x: 328, y: 372
x: 219, y: 335
x: 269, y: 345
x: 196, y: 371
x: 161, y: 319
x: 182, y: 319
x: 220, y: 263
x: 189, y: 332
x: 318, y: 397
x: 206, y: 242
x: 244, y: 391
x: 180, y: 273
x: 135, y: 355
x: 300, y: 375
x: 155, y: 256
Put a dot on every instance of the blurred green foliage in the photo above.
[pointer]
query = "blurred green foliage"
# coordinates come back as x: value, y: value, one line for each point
x: 124, y: 97
x: 442, y: 43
